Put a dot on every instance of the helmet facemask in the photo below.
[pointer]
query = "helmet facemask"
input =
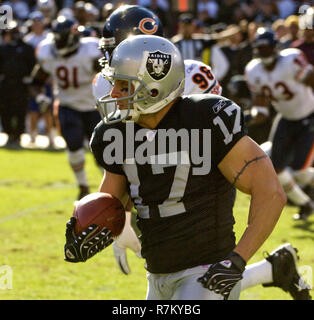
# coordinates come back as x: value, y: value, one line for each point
x: 106, y: 45
x: 66, y: 36
x: 66, y: 42
x: 137, y: 92
x: 267, y: 53
x: 265, y: 46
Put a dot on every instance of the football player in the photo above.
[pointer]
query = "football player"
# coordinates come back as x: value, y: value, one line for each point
x: 71, y: 60
x: 131, y: 20
x: 185, y: 216
x: 286, y: 80
x: 198, y: 79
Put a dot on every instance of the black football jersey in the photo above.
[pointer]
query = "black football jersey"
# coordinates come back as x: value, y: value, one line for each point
x: 184, y: 204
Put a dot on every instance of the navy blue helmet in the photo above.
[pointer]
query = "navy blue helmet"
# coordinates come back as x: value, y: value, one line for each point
x: 129, y: 20
x: 264, y: 37
x: 66, y: 35
x: 265, y: 46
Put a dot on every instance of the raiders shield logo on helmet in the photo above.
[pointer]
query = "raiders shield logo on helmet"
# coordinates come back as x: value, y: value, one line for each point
x: 158, y: 64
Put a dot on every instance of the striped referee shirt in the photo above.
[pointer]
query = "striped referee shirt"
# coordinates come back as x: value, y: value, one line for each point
x: 189, y: 48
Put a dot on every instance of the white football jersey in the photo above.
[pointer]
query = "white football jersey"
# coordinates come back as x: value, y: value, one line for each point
x: 198, y: 79
x: 72, y: 76
x: 289, y: 96
x: 102, y: 88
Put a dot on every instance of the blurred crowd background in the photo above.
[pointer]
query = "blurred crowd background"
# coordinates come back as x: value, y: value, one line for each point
x: 219, y: 33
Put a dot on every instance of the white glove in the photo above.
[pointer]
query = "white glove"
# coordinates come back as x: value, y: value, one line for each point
x: 127, y: 239
x: 43, y: 102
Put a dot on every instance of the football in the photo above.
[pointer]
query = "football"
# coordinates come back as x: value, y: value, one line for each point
x: 102, y: 209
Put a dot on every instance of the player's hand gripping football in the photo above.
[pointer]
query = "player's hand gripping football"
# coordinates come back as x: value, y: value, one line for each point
x: 221, y: 277
x: 79, y: 248
x: 127, y: 239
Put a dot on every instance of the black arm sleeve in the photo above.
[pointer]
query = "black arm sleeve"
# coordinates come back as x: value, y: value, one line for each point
x: 30, y: 58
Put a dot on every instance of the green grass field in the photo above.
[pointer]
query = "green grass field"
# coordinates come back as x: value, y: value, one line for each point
x: 37, y: 192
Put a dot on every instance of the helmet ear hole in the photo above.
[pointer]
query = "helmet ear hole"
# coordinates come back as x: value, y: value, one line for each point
x: 154, y: 92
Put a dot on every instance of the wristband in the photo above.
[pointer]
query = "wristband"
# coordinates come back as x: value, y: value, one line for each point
x: 237, y: 260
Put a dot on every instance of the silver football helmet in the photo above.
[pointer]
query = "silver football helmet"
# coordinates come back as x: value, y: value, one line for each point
x: 154, y: 70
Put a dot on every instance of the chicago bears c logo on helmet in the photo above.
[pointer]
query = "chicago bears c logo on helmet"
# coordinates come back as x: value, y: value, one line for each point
x: 158, y: 64
x: 148, y: 26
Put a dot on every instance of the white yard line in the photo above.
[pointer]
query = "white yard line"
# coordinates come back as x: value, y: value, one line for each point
x: 32, y: 209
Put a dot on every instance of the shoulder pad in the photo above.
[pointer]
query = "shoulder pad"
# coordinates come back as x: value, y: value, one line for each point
x: 44, y: 50
x: 212, y: 101
x: 290, y: 52
x: 91, y: 44
x: 92, y: 40
x: 101, y: 87
x: 252, y: 65
x: 220, y: 104
x: 191, y: 64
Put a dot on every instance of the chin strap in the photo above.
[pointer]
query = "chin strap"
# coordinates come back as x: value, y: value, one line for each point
x: 129, y: 115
